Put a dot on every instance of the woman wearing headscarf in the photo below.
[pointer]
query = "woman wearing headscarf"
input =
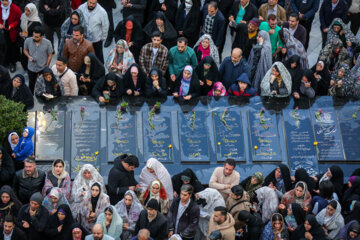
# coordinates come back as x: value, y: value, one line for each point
x: 29, y: 20
x: 275, y: 229
x: 58, y: 177
x: 54, y: 199
x: 155, y: 170
x: 156, y: 191
x: 89, y: 73
x: 187, y: 21
x: 166, y: 7
x: 350, y: 231
x: 296, y: 71
x: 299, y: 195
x: 119, y: 59
x: 268, y: 202
x: 134, y: 81
x: 355, y: 212
x: 252, y: 183
x: 302, y: 175
x: 339, y: 30
x: 322, y: 77
x: 207, y: 200
x: 334, y: 54
x: 254, y: 225
x: 94, y: 203
x: 336, y: 175
x: 76, y: 18
x: 295, y: 216
x: 111, y: 221
x: 9, y: 21
x: 208, y: 73
x: 280, y: 179
x: 20, y: 92
x: 129, y: 209
x: 308, y: 86
x: 109, y: 88
x: 78, y: 232
x: 277, y: 81
x: 331, y: 219
x: 293, y: 47
x: 187, y: 84
x: 131, y: 31
x: 24, y: 148
x: 218, y: 90
x: 341, y: 83
x: 48, y: 86
x: 10, y: 143
x: 353, y: 193
x: 7, y: 168
x: 59, y: 225
x: 204, y: 47
x: 161, y: 23
x: 355, y: 72
x: 311, y: 229
x: 82, y: 183
x: 9, y: 203
x: 260, y: 59
x: 155, y: 84
x: 186, y: 177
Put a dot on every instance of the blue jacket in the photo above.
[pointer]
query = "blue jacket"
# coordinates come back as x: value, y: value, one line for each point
x: 235, y: 89
x: 25, y: 147
x: 218, y: 32
x: 327, y: 15
x: 229, y: 73
x: 312, y: 6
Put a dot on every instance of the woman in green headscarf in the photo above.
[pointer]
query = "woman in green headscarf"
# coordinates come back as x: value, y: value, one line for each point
x: 120, y: 58
x: 252, y: 183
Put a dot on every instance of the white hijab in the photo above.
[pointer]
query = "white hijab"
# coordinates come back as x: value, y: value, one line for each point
x: 33, y: 17
x: 160, y: 173
x: 9, y: 139
x: 5, y: 11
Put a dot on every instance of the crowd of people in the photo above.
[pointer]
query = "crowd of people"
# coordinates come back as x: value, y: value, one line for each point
x: 35, y: 205
x: 174, y: 48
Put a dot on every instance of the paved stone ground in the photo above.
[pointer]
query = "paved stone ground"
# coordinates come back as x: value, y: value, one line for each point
x: 313, y: 50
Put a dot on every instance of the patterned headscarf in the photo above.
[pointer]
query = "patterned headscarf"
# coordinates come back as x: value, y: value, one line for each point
x: 214, y: 53
x: 128, y: 57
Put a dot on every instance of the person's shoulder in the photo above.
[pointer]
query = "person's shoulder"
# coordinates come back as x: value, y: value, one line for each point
x: 263, y: 24
x: 218, y: 169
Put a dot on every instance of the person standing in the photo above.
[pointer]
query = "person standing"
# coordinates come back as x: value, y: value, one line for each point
x: 108, y: 5
x: 134, y: 8
x: 97, y: 23
x: 272, y: 7
x: 38, y: 50
x: 354, y: 15
x: 296, y: 29
x: 9, y: 21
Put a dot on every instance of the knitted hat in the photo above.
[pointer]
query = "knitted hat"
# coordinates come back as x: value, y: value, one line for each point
x: 255, y: 21
x: 37, y: 197
x: 153, y: 204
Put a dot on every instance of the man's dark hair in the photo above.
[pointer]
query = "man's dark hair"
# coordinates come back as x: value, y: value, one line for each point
x: 231, y: 162
x: 214, y: 4
x: 221, y: 209
x: 38, y: 29
x: 326, y: 189
x: 30, y: 160
x: 271, y: 17
x: 9, y: 218
x: 78, y: 28
x: 294, y: 15
x: 187, y: 188
x: 182, y: 39
x: 62, y: 59
x: 132, y: 160
x: 157, y: 34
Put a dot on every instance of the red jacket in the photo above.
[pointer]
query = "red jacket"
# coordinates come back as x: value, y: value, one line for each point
x: 13, y: 20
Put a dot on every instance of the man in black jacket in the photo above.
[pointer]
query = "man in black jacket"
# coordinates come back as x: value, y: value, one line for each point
x: 108, y: 5
x: 32, y: 217
x: 188, y: 211
x: 121, y: 177
x: 7, y: 168
x: 10, y: 231
x: 296, y: 29
x: 153, y: 220
x: 28, y: 181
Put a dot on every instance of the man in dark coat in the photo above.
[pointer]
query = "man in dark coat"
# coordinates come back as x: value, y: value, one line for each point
x: 153, y: 220
x: 135, y: 8
x: 331, y: 9
x: 186, y: 225
x: 108, y: 5
x: 32, y: 217
x: 121, y: 177
x: 306, y: 13
x: 5, y: 80
x: 28, y: 181
x: 232, y: 67
x: 296, y: 29
x: 10, y: 231
x: 7, y: 168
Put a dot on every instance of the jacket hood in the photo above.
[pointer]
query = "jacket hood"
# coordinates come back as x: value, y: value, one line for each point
x: 244, y: 78
x: 229, y: 223
x: 21, y: 77
x: 31, y: 132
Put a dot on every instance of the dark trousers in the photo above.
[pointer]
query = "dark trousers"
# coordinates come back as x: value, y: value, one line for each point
x: 32, y: 79
x: 307, y: 25
x: 355, y: 22
x: 111, y: 24
x: 12, y: 51
x: 98, y: 47
x: 324, y: 37
x: 49, y: 34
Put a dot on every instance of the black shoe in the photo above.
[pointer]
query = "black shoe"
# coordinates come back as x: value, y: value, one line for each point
x: 107, y: 43
x: 12, y: 68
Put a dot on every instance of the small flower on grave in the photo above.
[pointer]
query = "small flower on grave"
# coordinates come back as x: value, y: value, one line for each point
x: 315, y: 143
x: 219, y: 143
x: 96, y: 153
x: 255, y: 147
x: 170, y: 146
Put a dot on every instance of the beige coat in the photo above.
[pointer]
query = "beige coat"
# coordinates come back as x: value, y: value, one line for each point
x: 226, y: 228
x: 281, y: 13
x: 220, y: 182
x: 238, y: 208
x: 68, y: 81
